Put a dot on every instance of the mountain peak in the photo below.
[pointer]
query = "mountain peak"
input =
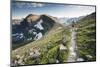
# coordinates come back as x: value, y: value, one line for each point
x: 32, y: 17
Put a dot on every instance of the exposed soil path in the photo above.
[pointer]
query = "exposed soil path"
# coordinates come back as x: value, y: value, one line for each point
x: 73, y: 47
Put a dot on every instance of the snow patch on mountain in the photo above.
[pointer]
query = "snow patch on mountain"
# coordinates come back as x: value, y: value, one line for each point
x: 38, y: 36
x: 34, y: 33
x: 18, y: 36
x: 39, y: 25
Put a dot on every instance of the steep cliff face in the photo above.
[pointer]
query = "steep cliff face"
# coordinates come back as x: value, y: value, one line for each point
x: 33, y: 27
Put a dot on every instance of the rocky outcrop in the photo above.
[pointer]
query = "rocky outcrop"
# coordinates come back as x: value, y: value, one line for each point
x: 33, y: 27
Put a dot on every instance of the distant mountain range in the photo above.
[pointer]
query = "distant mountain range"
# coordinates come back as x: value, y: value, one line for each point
x: 68, y: 21
x: 16, y: 21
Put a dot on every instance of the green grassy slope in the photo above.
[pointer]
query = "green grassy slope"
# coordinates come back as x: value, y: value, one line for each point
x: 48, y: 47
x: 86, y: 37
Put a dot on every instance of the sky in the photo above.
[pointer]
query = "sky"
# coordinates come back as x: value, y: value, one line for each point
x: 22, y: 9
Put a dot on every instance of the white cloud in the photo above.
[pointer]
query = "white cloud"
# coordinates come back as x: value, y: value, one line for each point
x: 27, y: 4
x: 19, y: 5
x: 37, y: 4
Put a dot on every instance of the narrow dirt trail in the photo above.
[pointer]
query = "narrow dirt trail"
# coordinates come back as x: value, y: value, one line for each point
x: 73, y: 47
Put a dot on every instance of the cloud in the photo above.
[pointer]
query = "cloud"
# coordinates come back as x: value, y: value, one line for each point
x: 27, y: 4
x: 19, y: 5
x: 37, y: 4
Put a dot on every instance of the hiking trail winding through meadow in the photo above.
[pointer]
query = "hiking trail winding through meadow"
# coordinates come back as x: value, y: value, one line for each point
x: 73, y: 47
